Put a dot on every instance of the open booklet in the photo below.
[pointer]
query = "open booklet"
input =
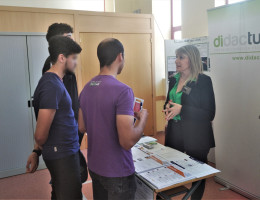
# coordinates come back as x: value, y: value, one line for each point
x: 156, y: 170
x: 163, y: 166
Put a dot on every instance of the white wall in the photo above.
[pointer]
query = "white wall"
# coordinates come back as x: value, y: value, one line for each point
x: 129, y: 6
x: 109, y: 5
x: 194, y: 17
x: 161, y: 10
x: 159, y: 76
x: 144, y: 5
x: 89, y: 5
x: 123, y: 6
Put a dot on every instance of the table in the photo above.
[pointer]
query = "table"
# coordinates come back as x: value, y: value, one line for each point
x: 146, y: 190
x: 179, y: 188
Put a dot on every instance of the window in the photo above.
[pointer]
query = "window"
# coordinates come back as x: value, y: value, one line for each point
x: 176, y: 19
x: 234, y: 1
x: 177, y: 35
x: 226, y: 2
x: 220, y: 3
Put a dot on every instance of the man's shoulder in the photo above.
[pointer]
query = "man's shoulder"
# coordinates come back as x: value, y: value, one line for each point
x: 122, y: 85
x: 50, y: 80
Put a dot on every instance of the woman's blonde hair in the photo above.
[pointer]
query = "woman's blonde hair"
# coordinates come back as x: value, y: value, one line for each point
x: 195, y: 60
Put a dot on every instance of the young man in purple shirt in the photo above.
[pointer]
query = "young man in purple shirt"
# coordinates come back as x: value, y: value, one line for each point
x: 106, y: 114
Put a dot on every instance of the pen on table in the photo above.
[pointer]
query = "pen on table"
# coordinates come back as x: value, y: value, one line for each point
x: 177, y: 164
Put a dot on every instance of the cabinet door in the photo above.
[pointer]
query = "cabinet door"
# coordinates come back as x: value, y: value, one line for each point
x: 16, y: 132
x: 37, y: 54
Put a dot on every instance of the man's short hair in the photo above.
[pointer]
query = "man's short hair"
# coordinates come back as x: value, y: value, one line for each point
x: 108, y: 50
x: 58, y: 29
x: 62, y: 45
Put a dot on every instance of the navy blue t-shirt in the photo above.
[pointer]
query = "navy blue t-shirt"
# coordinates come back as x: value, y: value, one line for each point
x: 63, y: 135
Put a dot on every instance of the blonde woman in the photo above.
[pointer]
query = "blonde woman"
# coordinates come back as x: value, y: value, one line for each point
x: 190, y: 109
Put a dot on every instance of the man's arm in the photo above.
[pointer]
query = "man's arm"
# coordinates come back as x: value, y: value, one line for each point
x: 44, y: 121
x: 81, y: 124
x: 129, y: 134
x: 45, y: 118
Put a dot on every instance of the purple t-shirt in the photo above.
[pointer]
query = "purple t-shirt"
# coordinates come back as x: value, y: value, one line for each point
x: 101, y: 100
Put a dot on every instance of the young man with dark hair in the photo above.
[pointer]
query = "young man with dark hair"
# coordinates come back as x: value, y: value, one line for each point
x: 106, y: 113
x: 53, y: 30
x: 56, y: 130
x: 69, y: 79
x: 70, y: 83
x: 59, y: 29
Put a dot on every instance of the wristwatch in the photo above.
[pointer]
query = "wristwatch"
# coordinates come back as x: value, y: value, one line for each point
x: 38, y: 152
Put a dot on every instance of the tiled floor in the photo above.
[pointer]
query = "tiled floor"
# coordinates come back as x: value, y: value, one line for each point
x: 36, y: 186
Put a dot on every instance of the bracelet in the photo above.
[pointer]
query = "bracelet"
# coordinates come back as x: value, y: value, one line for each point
x: 38, y: 152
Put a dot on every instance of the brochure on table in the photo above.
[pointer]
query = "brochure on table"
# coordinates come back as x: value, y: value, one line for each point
x: 163, y: 166
x: 146, y: 139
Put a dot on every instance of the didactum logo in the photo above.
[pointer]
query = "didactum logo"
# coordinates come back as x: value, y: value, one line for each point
x: 235, y: 40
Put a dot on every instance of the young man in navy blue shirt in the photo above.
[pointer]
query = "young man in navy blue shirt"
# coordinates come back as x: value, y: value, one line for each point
x: 56, y: 130
x: 70, y: 83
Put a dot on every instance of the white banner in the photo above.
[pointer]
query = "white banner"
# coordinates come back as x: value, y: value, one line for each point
x: 234, y: 45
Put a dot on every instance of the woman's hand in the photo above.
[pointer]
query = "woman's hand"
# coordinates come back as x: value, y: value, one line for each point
x: 173, y: 111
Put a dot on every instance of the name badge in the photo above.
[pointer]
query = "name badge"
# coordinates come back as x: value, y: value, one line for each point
x: 186, y: 90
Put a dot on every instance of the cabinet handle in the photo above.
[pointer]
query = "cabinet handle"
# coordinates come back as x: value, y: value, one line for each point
x: 30, y: 104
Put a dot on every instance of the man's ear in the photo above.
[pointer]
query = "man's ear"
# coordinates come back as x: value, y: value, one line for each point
x: 121, y: 57
x: 61, y: 58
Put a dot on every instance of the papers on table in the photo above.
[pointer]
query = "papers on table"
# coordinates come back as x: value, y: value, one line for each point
x: 137, y: 153
x: 166, y: 176
x: 146, y: 139
x: 196, y: 168
x: 167, y: 152
x: 163, y: 166
x: 155, y: 169
x: 158, y: 149
x: 144, y: 162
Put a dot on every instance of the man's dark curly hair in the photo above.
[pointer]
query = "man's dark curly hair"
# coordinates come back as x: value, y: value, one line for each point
x: 58, y: 29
